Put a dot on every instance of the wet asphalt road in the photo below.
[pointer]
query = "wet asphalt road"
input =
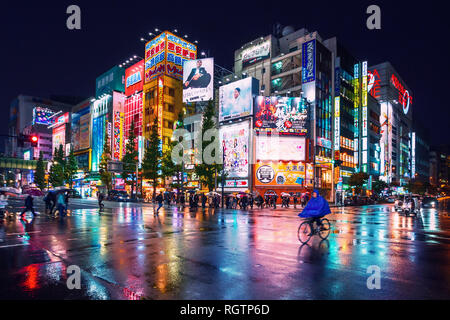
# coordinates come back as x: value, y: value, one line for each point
x: 128, y: 253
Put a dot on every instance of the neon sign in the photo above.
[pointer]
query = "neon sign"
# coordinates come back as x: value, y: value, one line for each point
x: 337, y: 129
x: 374, y: 83
x: 404, y: 98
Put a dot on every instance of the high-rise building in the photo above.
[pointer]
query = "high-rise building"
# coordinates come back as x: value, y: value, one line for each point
x: 107, y: 114
x: 396, y: 101
x: 163, y: 87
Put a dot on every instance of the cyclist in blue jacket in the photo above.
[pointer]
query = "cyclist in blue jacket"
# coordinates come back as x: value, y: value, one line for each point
x: 316, y: 208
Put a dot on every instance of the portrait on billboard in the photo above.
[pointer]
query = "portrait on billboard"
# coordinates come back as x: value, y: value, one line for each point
x: 287, y: 116
x: 235, y: 141
x: 198, y: 84
x: 236, y: 99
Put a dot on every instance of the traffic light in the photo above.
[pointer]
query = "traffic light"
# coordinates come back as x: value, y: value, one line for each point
x: 34, y: 140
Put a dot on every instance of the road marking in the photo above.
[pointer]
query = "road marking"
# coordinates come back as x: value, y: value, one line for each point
x: 21, y: 233
x: 15, y: 245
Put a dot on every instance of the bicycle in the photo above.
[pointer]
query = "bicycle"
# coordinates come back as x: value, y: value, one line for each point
x: 306, y: 230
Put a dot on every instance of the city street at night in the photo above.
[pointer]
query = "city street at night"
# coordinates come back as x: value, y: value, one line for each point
x: 127, y: 252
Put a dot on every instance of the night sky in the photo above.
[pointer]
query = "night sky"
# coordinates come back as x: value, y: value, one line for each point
x: 41, y: 57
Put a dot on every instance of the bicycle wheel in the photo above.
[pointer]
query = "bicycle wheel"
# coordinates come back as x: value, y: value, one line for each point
x: 324, y: 231
x: 304, y: 232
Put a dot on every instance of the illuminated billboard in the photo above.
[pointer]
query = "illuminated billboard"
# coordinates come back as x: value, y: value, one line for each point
x: 117, y: 135
x: 235, y: 139
x: 42, y: 116
x: 236, y: 99
x: 134, y: 78
x: 58, y: 136
x: 309, y: 61
x: 198, y: 80
x: 286, y: 116
x: 268, y: 173
x: 256, y: 53
x: 80, y: 129
x: 273, y: 148
x: 166, y: 54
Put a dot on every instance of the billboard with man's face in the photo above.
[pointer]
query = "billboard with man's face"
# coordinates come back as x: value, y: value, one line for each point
x: 236, y: 99
x: 198, y: 80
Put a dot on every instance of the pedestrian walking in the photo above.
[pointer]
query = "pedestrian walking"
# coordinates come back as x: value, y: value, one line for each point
x: 60, y: 203
x: 100, y: 198
x: 160, y: 200
x: 252, y: 200
x: 28, y: 206
x: 204, y: 198
x: 295, y: 201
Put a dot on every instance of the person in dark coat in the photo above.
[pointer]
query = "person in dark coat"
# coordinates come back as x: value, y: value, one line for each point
x: 160, y: 200
x: 28, y: 206
x: 204, y: 198
x: 295, y: 201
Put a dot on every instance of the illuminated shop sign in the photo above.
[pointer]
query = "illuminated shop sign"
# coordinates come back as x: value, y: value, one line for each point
x: 413, y: 154
x: 256, y: 53
x: 337, y: 123
x: 133, y: 79
x: 322, y: 142
x: 404, y: 98
x: 374, y: 83
x: 118, y: 135
x: 279, y: 173
x: 166, y: 54
x: 42, y: 116
x: 309, y: 61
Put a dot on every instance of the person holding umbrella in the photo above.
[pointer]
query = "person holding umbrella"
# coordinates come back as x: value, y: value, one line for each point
x: 28, y: 206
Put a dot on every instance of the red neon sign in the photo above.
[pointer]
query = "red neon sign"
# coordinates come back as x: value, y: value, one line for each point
x: 373, y: 83
x: 404, y: 98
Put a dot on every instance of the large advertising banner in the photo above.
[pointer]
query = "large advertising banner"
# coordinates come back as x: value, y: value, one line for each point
x: 256, y: 53
x: 198, y: 80
x: 309, y: 61
x: 155, y: 57
x: 273, y: 148
x: 236, y: 99
x: 58, y: 136
x: 235, y: 138
x: 84, y: 131
x: 75, y: 134
x: 287, y: 116
x: 268, y: 173
x: 166, y: 54
x: 178, y: 52
x: 42, y: 116
x: 134, y: 78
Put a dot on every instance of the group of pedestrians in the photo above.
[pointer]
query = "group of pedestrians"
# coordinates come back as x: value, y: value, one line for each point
x: 243, y: 202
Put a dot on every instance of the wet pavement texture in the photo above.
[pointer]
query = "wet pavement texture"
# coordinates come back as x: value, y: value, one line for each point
x: 127, y: 252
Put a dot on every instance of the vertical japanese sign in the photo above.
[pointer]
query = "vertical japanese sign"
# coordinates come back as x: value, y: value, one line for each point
x: 356, y: 110
x: 160, y: 106
x: 309, y: 61
x: 337, y: 123
x: 364, y: 116
x: 118, y: 135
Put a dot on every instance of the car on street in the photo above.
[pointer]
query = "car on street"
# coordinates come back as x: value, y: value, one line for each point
x: 430, y: 202
x: 118, y: 195
x: 398, y: 202
x: 74, y: 194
